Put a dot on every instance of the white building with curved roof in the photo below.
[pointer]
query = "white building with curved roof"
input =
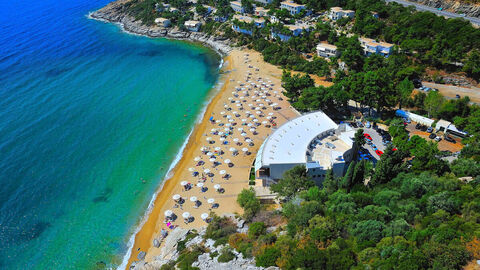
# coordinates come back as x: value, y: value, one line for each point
x: 313, y: 140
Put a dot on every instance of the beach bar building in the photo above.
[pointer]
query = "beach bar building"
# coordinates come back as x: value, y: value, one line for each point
x: 193, y: 26
x: 312, y: 140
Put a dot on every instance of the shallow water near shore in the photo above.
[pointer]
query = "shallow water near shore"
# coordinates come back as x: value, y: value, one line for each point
x: 90, y: 120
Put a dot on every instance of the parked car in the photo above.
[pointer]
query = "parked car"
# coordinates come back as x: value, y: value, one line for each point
x: 457, y: 96
x: 407, y: 120
x: 423, y: 128
x: 438, y: 138
x: 429, y: 129
x: 418, y: 126
x: 432, y: 136
x: 450, y: 139
x: 368, y: 125
x: 359, y: 124
x: 379, y: 153
x: 353, y: 124
x: 366, y: 135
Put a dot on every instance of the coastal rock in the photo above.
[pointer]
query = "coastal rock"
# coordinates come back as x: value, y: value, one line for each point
x: 116, y: 12
x: 204, y: 262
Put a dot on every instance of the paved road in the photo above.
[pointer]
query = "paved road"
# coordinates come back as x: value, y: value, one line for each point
x: 436, y: 11
x: 449, y: 91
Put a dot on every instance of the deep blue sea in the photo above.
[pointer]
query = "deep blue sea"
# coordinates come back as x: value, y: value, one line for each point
x: 91, y: 118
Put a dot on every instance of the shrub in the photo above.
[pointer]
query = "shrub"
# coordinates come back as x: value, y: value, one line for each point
x: 226, y: 255
x: 219, y: 229
x: 268, y: 257
x: 189, y: 256
x: 256, y: 229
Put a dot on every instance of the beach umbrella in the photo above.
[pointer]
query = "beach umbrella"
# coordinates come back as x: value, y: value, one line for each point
x: 271, y: 112
x: 176, y: 197
x: 218, y: 148
x: 269, y: 117
x: 191, y: 169
x: 228, y: 125
x: 252, y: 129
x: 212, y: 160
x: 222, y: 139
x: 216, y: 186
x: 248, y: 140
x: 209, y: 154
x: 168, y: 213
x: 245, y: 149
x: 243, y: 134
x: 247, y: 112
x: 218, y: 121
x: 255, y: 120
x: 235, y: 140
x: 206, y: 170
x: 252, y: 116
x: 223, y: 172
x: 249, y: 124
x: 240, y: 129
x: 230, y: 98
x: 227, y: 161
x: 184, y: 183
x: 232, y: 149
x: 209, y: 139
x: 186, y: 215
x: 200, y: 185
x: 244, y: 120
x: 204, y: 216
x: 197, y: 158
x: 230, y: 120
x: 204, y: 148
x: 222, y: 112
x: 211, y: 200
x: 193, y: 199
x: 239, y: 105
x: 264, y: 122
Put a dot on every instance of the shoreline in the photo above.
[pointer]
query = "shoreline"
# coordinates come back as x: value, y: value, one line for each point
x: 112, y: 13
x: 156, y: 201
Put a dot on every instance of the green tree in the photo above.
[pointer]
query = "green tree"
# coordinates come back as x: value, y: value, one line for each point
x: 404, y: 89
x: 351, y: 52
x: 293, y: 181
x: 388, y: 167
x: 472, y: 65
x: 248, y: 200
x: 368, y: 230
x: 294, y: 85
x: 247, y: 6
x: 433, y: 103
x: 256, y: 229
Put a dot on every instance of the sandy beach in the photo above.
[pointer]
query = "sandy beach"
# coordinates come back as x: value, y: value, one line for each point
x: 244, y: 112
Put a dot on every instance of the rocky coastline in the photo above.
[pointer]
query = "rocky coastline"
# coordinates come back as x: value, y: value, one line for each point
x: 115, y: 13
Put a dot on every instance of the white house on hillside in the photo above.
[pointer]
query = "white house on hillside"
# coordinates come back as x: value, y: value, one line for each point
x: 338, y: 13
x: 193, y: 26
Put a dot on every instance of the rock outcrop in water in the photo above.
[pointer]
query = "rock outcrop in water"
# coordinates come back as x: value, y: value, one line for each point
x: 115, y: 12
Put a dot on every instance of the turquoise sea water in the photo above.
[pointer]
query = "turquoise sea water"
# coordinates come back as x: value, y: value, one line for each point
x: 90, y: 120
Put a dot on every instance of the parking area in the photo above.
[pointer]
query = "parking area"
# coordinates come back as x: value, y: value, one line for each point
x: 443, y: 145
x: 376, y: 143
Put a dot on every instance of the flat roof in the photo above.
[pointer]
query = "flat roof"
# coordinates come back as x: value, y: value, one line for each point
x: 326, y: 45
x: 288, y: 144
x: 291, y: 4
x: 238, y: 3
